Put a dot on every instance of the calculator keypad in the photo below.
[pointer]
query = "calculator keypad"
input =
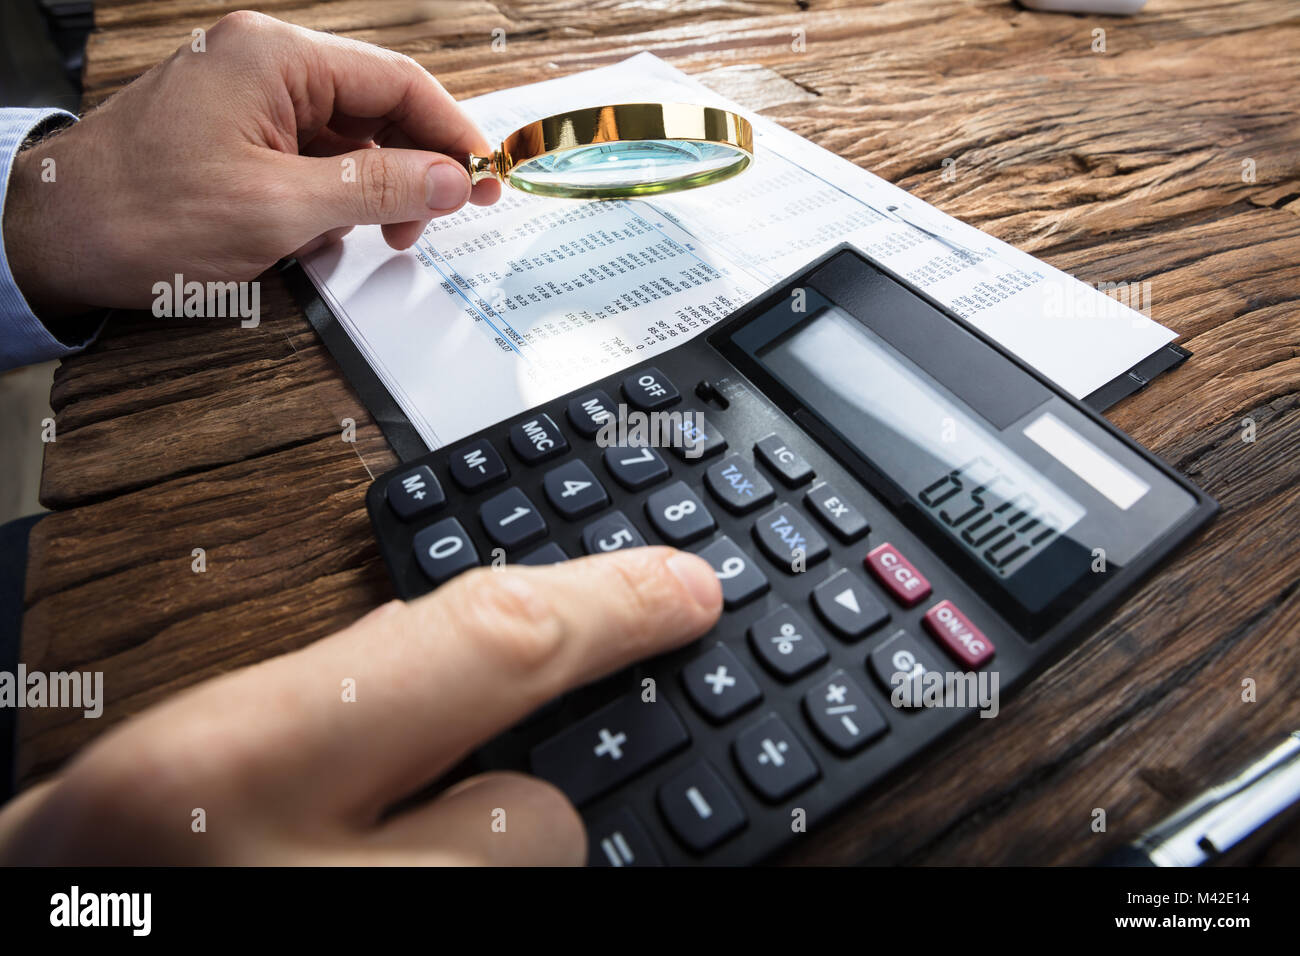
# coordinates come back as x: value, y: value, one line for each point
x: 792, y: 525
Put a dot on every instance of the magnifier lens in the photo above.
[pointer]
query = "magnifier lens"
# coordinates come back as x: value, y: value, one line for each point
x: 627, y: 149
x: 628, y: 168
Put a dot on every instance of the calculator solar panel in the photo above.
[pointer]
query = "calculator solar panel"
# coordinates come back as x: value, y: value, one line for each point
x: 864, y: 561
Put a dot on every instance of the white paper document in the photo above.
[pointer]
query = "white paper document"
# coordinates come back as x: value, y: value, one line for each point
x: 497, y: 309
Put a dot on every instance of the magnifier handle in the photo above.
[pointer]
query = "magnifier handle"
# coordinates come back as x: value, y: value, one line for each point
x: 482, y: 167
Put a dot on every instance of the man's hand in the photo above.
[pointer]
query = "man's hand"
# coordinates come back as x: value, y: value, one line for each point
x: 271, y: 141
x: 287, y: 772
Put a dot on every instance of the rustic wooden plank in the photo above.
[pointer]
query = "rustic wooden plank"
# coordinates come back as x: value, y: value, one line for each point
x: 201, y: 646
x: 1122, y: 167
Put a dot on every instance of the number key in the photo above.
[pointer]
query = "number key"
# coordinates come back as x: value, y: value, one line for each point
x: 573, y: 490
x: 443, y: 550
x: 511, y: 520
x: 635, y: 468
x: 741, y: 579
x: 678, y: 515
x: 611, y: 533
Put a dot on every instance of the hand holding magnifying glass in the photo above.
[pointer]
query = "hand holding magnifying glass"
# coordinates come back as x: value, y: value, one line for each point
x: 615, y: 152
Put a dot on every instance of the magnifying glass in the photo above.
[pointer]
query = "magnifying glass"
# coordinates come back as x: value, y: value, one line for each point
x: 613, y: 152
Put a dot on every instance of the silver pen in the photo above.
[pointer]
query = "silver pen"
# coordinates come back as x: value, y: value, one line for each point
x: 1222, y: 817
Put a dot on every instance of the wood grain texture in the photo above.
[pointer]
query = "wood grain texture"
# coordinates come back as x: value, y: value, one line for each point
x: 1122, y: 166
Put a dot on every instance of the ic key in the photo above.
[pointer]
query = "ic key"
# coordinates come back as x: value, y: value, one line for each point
x: 784, y: 460
x: 741, y: 579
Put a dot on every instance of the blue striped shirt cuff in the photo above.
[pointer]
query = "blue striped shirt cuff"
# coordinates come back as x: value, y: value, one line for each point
x: 24, y: 339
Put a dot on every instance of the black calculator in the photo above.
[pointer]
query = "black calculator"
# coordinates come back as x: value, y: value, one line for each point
x: 906, y: 521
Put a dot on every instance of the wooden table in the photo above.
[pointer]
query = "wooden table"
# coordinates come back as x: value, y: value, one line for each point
x: 1125, y: 165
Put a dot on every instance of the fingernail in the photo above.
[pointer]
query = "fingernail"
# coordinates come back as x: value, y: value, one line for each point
x: 445, y: 186
x: 699, y: 579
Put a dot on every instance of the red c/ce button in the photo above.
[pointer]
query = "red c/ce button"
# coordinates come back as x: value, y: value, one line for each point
x: 959, y: 637
x: 896, y: 573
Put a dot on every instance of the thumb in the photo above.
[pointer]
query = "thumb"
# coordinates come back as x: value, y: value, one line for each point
x: 381, y: 186
x: 455, y: 667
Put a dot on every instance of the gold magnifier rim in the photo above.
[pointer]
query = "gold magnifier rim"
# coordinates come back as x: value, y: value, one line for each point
x: 618, y: 122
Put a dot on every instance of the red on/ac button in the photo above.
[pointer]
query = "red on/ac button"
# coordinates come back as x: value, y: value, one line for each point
x: 959, y: 637
x: 896, y: 573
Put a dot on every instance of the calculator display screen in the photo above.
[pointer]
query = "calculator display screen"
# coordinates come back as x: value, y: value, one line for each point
x: 949, y: 463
